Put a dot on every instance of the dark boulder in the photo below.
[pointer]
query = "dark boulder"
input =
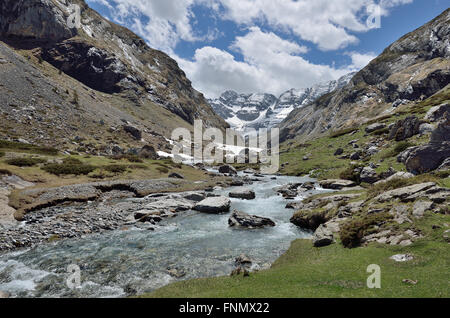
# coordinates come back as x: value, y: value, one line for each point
x: 406, y: 128
x: 148, y: 152
x: 175, y: 175
x: 227, y: 169
x: 133, y: 131
x: 241, y: 219
x: 427, y: 158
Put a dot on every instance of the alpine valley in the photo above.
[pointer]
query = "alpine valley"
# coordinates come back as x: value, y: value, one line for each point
x: 88, y: 183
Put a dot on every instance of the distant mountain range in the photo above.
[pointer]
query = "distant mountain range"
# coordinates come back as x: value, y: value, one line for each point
x: 262, y: 110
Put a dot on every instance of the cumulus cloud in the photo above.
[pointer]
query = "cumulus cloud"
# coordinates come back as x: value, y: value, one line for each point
x: 328, y: 24
x: 270, y: 63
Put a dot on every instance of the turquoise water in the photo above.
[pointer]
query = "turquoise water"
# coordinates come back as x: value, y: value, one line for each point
x: 134, y: 261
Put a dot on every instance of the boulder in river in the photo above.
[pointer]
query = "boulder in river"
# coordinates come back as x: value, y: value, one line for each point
x: 245, y: 220
x: 245, y: 194
x: 227, y: 169
x: 214, y: 205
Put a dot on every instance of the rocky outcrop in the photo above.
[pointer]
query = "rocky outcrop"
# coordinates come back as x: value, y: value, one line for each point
x: 374, y: 127
x: 213, y: 205
x: 323, y: 236
x: 241, y: 219
x: 336, y: 184
x: 431, y: 156
x: 404, y: 129
x: 427, y: 158
x: 369, y: 175
x: 437, y: 112
x: 227, y: 169
x: 36, y: 19
x: 407, y: 194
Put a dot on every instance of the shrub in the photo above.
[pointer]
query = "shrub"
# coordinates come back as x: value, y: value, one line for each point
x: 402, y: 146
x: 2, y: 153
x: 115, y: 168
x: 5, y: 172
x: 72, y: 161
x: 162, y: 170
x: 137, y: 167
x: 129, y: 157
x: 28, y: 147
x: 398, y: 149
x: 381, y: 131
x: 25, y: 162
x: 67, y: 169
x: 352, y: 232
x: 350, y: 174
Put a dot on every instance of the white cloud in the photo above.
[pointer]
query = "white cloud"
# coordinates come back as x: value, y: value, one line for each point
x: 328, y: 24
x: 360, y: 60
x: 271, y: 64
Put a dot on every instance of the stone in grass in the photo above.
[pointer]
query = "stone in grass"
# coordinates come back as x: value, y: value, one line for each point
x: 175, y: 175
x: 323, y: 236
x: 402, y: 257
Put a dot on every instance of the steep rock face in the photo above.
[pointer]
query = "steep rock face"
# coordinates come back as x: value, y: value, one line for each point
x: 24, y: 19
x: 103, y: 56
x: 413, y: 68
x: 259, y: 110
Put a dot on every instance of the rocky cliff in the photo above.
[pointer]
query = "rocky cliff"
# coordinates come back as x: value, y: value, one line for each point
x: 411, y: 69
x: 115, y: 77
x: 261, y: 110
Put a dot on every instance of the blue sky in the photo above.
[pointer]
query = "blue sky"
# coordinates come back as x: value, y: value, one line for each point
x: 269, y: 45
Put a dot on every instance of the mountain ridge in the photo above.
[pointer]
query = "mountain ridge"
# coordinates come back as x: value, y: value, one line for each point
x: 263, y: 110
x: 110, y: 65
x: 411, y: 69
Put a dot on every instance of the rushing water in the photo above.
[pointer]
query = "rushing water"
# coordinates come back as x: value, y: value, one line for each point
x: 131, y: 261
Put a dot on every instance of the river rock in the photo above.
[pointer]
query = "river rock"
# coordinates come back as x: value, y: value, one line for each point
x: 245, y: 194
x: 243, y: 260
x: 323, y: 236
x: 214, y: 205
x: 227, y: 169
x: 195, y: 196
x: 241, y: 219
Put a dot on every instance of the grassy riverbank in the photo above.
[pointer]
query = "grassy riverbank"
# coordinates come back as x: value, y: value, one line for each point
x: 333, y: 271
